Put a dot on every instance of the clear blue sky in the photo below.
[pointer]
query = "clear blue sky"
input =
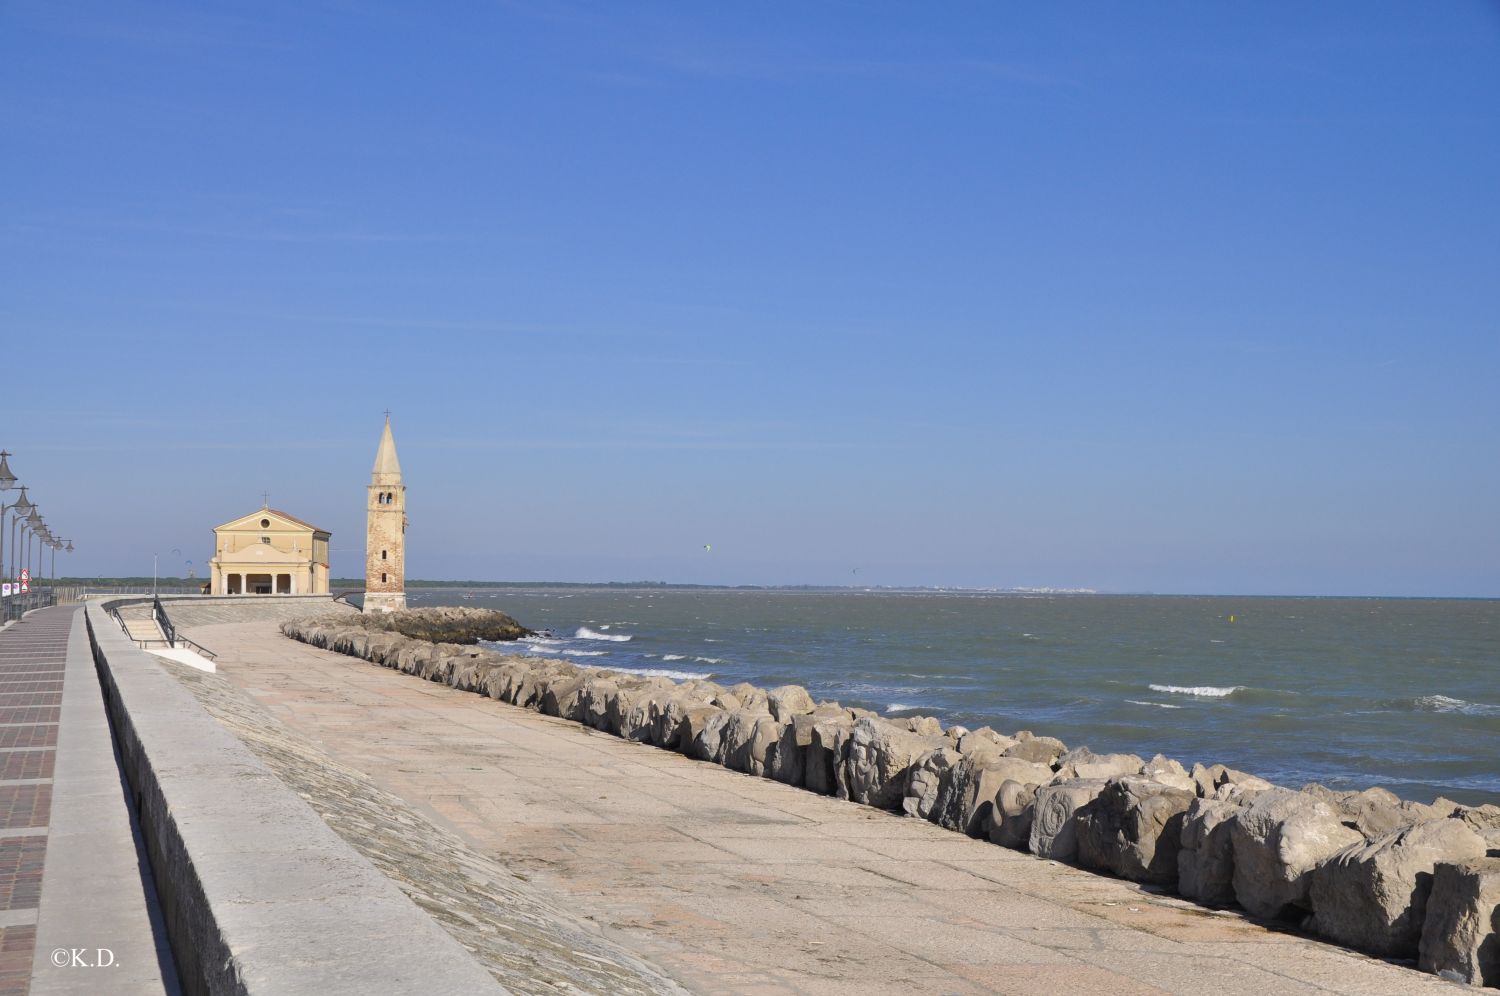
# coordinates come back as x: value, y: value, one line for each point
x: 1178, y: 297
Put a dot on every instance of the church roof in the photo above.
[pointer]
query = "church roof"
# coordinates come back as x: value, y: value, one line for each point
x: 292, y: 518
x: 385, y: 456
x: 264, y: 510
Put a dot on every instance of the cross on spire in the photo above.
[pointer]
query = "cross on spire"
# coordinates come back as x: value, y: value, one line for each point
x: 387, y: 414
x: 265, y: 499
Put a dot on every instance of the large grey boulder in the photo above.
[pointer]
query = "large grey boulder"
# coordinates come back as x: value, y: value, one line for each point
x: 822, y: 757
x: 748, y: 738
x: 788, y: 701
x: 707, y: 742
x: 965, y: 801
x: 1374, y: 812
x: 927, y: 726
x: 880, y: 756
x: 1484, y: 820
x: 1054, y: 824
x: 1038, y: 750
x: 1205, y: 863
x: 1211, y: 777
x: 983, y: 739
x: 1134, y: 829
x: 599, y: 689
x: 690, y: 726
x: 786, y: 757
x: 925, y: 778
x: 1279, y: 838
x: 560, y: 698
x: 1373, y: 895
x: 1169, y: 772
x: 1461, y: 931
x: 1084, y: 763
x: 1010, y: 820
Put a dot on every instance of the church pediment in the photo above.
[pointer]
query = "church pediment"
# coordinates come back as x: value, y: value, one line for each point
x: 276, y: 520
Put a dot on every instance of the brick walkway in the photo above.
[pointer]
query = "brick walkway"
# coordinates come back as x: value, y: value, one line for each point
x: 32, y: 655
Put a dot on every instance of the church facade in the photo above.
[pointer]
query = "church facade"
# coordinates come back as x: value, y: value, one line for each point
x: 385, y: 540
x: 269, y: 553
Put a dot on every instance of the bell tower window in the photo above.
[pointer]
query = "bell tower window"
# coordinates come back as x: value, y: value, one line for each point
x: 382, y: 554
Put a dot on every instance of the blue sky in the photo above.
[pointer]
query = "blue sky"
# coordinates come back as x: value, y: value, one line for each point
x: 1185, y: 297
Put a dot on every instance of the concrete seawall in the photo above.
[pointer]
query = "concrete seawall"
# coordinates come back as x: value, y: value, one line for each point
x: 1365, y: 870
x: 258, y: 894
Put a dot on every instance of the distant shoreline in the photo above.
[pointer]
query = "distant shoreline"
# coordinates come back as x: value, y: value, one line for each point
x: 357, y: 584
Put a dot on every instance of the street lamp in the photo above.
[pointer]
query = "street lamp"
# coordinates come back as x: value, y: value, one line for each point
x: 6, y: 483
x: 57, y: 545
x: 21, y: 507
x: 33, y: 527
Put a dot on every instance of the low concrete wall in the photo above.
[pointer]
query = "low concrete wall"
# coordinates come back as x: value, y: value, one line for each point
x: 257, y: 893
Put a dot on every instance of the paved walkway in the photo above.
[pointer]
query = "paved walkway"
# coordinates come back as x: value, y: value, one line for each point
x: 71, y: 873
x: 734, y: 884
x: 32, y: 654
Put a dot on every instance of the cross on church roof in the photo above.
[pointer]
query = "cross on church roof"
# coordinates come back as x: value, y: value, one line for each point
x: 265, y: 499
x: 387, y: 414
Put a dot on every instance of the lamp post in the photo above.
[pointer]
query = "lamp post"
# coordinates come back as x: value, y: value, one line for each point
x: 33, y: 526
x: 21, y: 507
x: 7, y: 481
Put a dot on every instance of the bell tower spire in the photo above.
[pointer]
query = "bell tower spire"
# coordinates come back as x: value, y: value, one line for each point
x: 385, y: 543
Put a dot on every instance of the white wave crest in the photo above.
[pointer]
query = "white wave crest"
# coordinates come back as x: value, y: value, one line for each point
x: 660, y: 672
x: 709, y: 660
x: 584, y: 653
x: 1201, y: 691
x: 1159, y: 705
x: 899, y: 707
x: 674, y: 657
x: 1444, y: 703
x: 584, y: 633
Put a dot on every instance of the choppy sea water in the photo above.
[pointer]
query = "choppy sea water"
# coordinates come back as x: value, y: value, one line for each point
x: 1403, y: 693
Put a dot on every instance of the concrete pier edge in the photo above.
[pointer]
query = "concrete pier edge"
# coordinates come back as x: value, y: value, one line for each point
x: 258, y: 895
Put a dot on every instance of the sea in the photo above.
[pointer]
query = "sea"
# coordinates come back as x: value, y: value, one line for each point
x: 1348, y: 692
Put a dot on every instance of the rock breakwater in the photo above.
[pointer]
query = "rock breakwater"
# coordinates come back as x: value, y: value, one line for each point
x: 1364, y: 869
x: 443, y: 624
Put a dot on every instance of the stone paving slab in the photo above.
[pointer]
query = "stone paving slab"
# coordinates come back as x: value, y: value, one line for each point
x: 527, y: 945
x: 734, y: 884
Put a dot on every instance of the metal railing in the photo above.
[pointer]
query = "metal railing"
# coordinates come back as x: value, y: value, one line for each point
x: 142, y: 589
x: 164, y: 623
x: 16, y: 606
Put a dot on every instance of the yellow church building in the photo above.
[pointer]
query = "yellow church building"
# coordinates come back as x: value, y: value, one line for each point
x: 269, y: 553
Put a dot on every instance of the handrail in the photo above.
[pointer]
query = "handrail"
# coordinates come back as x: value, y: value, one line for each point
x: 170, y: 631
x: 160, y: 615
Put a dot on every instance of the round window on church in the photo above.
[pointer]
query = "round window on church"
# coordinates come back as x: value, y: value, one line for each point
x: 265, y: 523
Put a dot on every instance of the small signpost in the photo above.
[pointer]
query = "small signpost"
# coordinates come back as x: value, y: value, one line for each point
x: 25, y: 585
x: 5, y: 590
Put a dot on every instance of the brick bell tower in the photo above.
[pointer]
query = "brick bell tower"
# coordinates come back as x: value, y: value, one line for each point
x: 385, y: 543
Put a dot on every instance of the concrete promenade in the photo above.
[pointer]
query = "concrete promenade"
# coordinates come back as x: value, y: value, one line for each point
x: 734, y: 884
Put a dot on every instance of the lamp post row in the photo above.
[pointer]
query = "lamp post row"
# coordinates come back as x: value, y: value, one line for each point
x: 27, y: 521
